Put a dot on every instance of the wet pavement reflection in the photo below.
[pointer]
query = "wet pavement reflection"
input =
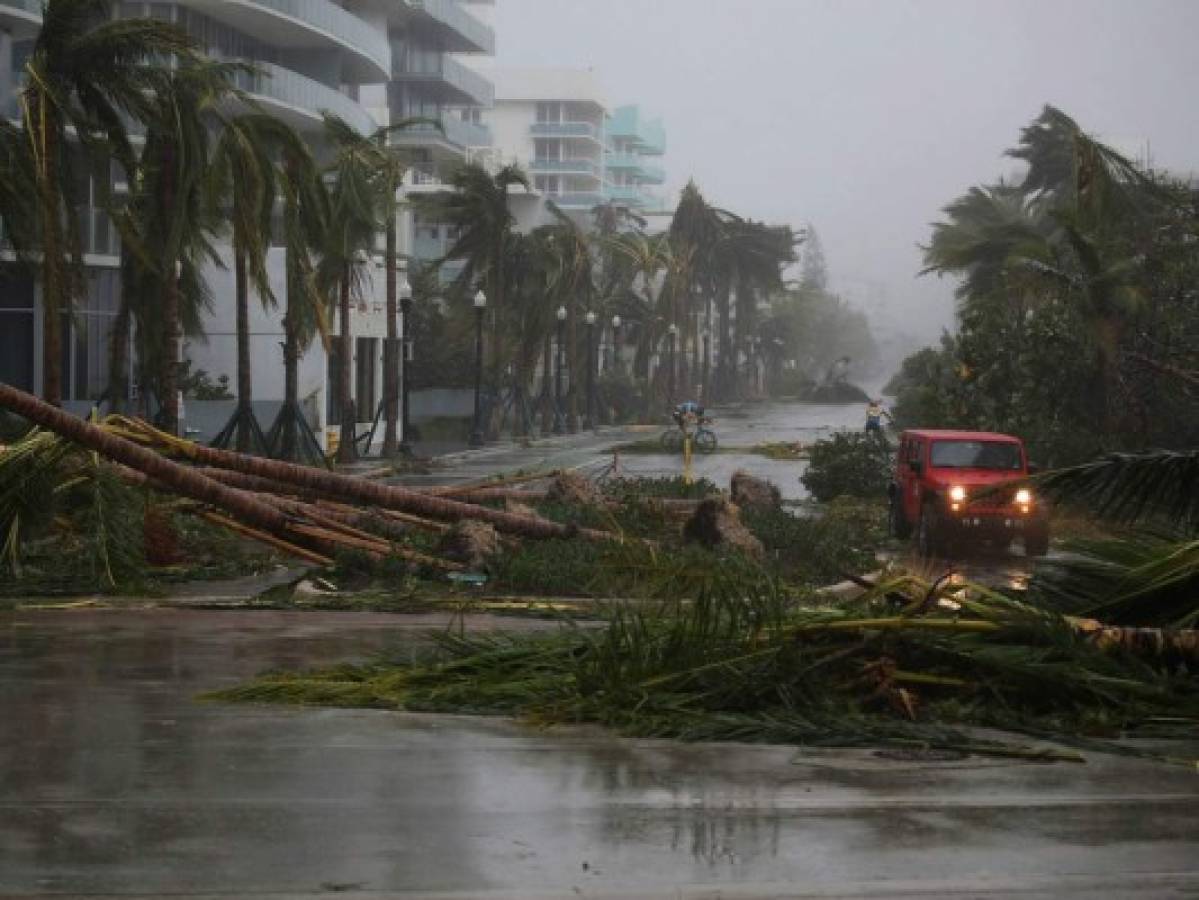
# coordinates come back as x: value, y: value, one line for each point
x: 115, y: 780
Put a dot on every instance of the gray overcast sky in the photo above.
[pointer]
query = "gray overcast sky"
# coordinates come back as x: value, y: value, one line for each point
x: 866, y: 118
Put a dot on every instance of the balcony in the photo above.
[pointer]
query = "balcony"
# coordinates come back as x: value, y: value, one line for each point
x: 629, y: 195
x: 627, y: 124
x: 300, y: 24
x: 21, y: 18
x: 638, y: 165
x: 456, y: 29
x: 587, y: 200
x: 300, y: 100
x: 584, y: 130
x: 566, y: 166
x: 450, y: 81
x: 458, y: 134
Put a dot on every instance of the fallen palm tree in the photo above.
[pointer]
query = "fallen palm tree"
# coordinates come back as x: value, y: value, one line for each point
x: 736, y: 662
x: 271, y: 501
x: 340, y: 487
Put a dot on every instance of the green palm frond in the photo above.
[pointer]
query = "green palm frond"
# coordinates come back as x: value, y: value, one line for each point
x: 1132, y: 487
x: 1140, y: 579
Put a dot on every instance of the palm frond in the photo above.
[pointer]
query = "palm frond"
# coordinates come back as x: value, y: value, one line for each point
x: 1132, y: 487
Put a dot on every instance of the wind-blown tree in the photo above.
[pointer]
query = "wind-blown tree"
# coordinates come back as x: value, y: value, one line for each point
x: 352, y: 226
x: 391, y: 164
x: 813, y: 274
x: 1072, y: 307
x: 86, y: 74
x: 305, y: 223
x: 243, y: 186
x: 477, y: 209
x: 166, y: 227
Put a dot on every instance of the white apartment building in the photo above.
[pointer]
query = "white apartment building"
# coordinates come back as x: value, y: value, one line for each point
x: 368, y: 62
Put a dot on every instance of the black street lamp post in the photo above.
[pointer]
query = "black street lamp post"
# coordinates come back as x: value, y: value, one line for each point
x: 559, y: 413
x: 404, y: 291
x: 589, y: 422
x: 616, y: 344
x: 476, y: 432
x: 673, y: 331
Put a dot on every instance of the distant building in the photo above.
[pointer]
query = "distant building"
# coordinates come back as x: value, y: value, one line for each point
x: 579, y: 152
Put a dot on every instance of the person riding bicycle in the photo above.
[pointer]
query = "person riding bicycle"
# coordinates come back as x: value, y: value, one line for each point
x: 688, y: 411
x: 874, y: 418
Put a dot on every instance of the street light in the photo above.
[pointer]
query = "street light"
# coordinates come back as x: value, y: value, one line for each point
x: 616, y: 344
x: 404, y: 292
x: 673, y: 331
x: 476, y: 433
x: 559, y: 418
x: 589, y: 421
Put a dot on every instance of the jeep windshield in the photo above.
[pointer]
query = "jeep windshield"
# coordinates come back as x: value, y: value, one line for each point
x: 977, y: 455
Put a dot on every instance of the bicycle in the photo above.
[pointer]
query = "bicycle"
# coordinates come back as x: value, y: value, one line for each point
x: 703, y: 438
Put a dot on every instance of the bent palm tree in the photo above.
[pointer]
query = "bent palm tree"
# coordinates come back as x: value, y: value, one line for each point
x: 165, y: 228
x: 350, y: 237
x: 86, y: 74
x: 478, y: 209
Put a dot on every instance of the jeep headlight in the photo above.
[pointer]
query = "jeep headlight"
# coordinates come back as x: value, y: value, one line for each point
x: 1024, y: 496
x: 957, y: 493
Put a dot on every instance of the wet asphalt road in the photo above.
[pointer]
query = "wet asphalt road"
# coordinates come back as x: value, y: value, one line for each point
x: 115, y: 781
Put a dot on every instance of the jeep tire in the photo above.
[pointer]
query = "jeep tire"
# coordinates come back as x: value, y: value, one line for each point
x: 1036, y: 541
x: 899, y: 525
x: 927, y: 541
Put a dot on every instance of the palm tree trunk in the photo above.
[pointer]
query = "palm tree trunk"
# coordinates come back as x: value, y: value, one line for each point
x: 244, y: 380
x: 725, y: 337
x: 346, y: 451
x: 53, y: 277
x: 118, y: 358
x: 169, y: 377
x: 182, y: 479
x: 392, y: 358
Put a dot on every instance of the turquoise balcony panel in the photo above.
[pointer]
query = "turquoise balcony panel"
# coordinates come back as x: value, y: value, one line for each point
x: 300, y: 99
x: 457, y: 29
x: 651, y: 173
x: 625, y: 194
x: 566, y: 129
x: 451, y: 81
x: 569, y: 166
x: 21, y: 18
x: 299, y: 24
x: 626, y: 123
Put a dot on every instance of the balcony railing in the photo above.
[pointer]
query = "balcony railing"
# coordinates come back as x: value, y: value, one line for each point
x: 450, y: 15
x: 304, y: 95
x: 586, y: 200
x: 456, y: 131
x: 345, y: 27
x: 575, y: 166
x: 474, y: 88
x: 566, y: 129
x: 25, y: 14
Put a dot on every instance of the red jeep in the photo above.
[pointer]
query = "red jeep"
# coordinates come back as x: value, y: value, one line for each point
x: 948, y: 489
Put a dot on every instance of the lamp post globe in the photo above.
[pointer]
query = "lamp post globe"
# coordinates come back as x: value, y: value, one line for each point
x: 476, y: 432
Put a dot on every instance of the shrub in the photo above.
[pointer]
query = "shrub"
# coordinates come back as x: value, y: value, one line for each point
x: 851, y: 464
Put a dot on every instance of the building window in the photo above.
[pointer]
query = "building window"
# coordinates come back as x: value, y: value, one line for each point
x: 548, y: 112
x: 16, y: 330
x: 86, y: 336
